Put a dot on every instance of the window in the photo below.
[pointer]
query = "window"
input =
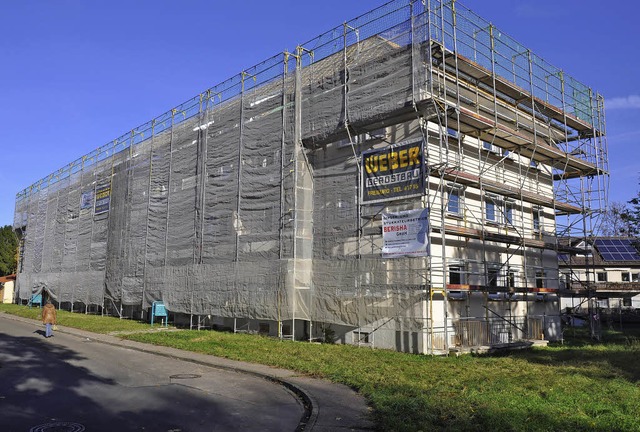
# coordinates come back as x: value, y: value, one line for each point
x: 635, y: 277
x: 365, y: 278
x: 508, y: 213
x: 361, y: 337
x: 493, y: 275
x: 454, y: 205
x: 452, y: 132
x: 626, y: 277
x: 490, y: 210
x: 537, y: 217
x: 601, y: 276
x: 540, y: 279
x: 498, y: 210
x: 627, y: 302
x: 454, y: 202
x: 587, y: 248
x: 458, y: 295
x: 456, y: 274
x: 286, y: 329
x: 511, y: 278
x: 491, y: 148
x: 263, y: 328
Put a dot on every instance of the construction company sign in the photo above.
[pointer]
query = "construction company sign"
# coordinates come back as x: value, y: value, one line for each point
x: 393, y: 172
x: 405, y: 233
x: 103, y: 198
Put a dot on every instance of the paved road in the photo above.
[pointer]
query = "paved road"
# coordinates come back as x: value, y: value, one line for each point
x: 73, y: 383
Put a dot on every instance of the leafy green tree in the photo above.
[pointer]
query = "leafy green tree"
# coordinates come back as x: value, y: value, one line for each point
x: 8, y: 250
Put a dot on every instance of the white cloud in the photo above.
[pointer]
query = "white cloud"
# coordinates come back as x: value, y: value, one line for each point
x: 629, y: 102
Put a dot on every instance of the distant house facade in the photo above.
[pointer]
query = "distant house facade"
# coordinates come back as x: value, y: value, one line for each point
x: 606, y: 274
x: 6, y: 288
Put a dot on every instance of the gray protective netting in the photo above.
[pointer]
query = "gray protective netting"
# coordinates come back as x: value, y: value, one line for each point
x: 243, y: 202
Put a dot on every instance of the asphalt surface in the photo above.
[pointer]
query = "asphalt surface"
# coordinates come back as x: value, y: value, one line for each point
x: 80, y: 381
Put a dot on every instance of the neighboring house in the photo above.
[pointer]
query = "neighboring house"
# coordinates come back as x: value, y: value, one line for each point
x: 604, y: 276
x: 397, y: 182
x: 6, y: 288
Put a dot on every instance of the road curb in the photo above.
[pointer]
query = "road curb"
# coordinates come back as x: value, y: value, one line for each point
x: 311, y: 412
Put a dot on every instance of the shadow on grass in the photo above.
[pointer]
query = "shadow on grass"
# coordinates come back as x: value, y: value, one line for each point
x: 621, y: 362
x: 440, y: 412
x: 616, y: 355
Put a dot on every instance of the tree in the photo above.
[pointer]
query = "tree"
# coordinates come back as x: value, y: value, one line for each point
x: 8, y: 250
x: 616, y: 221
x: 632, y: 216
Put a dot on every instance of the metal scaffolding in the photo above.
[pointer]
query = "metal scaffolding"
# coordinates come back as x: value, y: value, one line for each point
x: 247, y: 207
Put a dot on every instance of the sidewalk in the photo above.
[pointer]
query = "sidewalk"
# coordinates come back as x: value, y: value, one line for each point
x: 328, y: 406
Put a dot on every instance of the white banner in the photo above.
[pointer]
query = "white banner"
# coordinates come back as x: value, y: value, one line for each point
x: 405, y: 233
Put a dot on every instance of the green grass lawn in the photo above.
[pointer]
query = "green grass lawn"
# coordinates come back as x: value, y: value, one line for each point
x: 578, y: 386
x: 92, y: 323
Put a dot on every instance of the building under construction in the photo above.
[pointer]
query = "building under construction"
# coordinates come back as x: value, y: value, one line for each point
x: 400, y: 181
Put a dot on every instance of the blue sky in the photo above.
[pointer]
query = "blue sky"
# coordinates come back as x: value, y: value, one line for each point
x: 76, y: 74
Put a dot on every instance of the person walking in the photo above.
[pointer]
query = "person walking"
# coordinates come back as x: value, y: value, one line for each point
x: 49, y: 317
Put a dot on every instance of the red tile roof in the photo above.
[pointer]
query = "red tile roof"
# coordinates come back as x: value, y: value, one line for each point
x: 7, y: 278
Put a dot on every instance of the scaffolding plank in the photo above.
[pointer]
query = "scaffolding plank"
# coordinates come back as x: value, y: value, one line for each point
x: 517, y: 93
x: 499, y: 288
x: 491, y: 236
x: 540, y: 152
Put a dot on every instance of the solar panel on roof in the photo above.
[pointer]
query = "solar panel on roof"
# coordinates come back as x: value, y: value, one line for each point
x: 617, y: 250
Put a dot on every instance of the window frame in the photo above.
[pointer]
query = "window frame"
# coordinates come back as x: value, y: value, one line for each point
x: 536, y: 219
x: 491, y: 201
x: 362, y: 337
x: 491, y: 148
x: 493, y: 275
x: 456, y: 190
x: 512, y: 277
x: 509, y: 212
x: 461, y: 267
x: 602, y: 273
x: 541, y: 278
